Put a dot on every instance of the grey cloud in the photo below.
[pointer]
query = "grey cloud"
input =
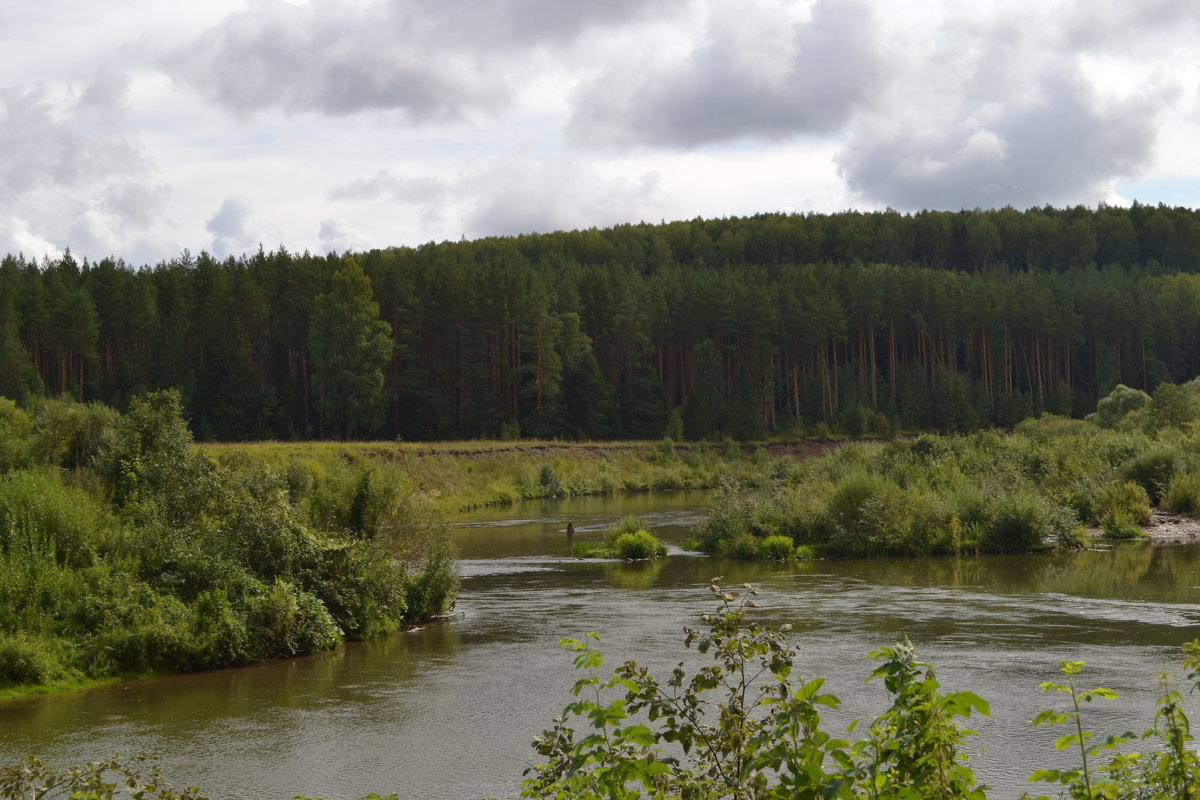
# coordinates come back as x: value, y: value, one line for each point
x: 1092, y: 23
x: 385, y: 184
x: 519, y: 196
x: 719, y: 93
x: 68, y: 181
x: 1051, y: 144
x: 37, y: 148
x: 230, y: 227
x: 516, y: 196
x: 428, y: 60
x: 107, y: 91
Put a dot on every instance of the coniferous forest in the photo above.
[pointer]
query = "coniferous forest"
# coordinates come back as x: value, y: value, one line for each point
x: 740, y: 327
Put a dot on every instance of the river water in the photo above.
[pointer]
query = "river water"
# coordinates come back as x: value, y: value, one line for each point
x: 449, y: 711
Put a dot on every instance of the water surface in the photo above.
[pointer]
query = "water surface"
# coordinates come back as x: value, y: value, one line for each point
x: 449, y: 711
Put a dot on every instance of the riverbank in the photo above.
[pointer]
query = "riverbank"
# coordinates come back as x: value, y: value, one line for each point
x: 125, y: 551
x: 460, y: 476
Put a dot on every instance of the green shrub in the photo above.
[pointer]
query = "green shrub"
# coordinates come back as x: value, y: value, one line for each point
x: 140, y: 630
x: 1128, y: 500
x: 37, y: 510
x: 1183, y: 496
x: 25, y: 658
x: 622, y: 526
x: 1121, y: 526
x: 219, y: 637
x: 73, y: 435
x: 150, y: 452
x: 744, y: 547
x: 431, y: 583
x: 549, y: 484
x: 639, y: 544
x: 777, y: 548
x: 287, y: 621
x: 1153, y: 470
x: 1022, y: 521
x: 15, y: 427
x: 1120, y: 402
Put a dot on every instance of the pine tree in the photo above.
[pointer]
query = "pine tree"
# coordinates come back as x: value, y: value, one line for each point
x: 350, y: 347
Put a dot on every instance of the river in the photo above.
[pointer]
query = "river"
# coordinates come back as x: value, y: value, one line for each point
x: 449, y: 711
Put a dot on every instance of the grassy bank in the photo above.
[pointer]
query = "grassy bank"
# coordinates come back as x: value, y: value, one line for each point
x: 126, y: 551
x: 458, y: 476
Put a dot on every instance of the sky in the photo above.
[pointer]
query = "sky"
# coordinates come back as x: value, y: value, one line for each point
x: 141, y: 128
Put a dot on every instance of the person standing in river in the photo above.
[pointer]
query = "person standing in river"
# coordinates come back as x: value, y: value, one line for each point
x: 570, y: 529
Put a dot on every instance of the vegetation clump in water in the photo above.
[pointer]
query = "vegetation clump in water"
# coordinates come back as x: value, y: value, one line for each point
x: 1039, y: 487
x: 627, y: 539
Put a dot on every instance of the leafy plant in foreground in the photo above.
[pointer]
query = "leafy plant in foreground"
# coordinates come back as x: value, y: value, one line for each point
x: 97, y: 780
x: 744, y: 727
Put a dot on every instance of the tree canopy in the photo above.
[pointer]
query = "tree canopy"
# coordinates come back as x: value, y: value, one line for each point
x: 738, y: 327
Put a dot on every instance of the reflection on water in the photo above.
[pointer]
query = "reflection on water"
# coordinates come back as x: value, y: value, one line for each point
x: 449, y: 711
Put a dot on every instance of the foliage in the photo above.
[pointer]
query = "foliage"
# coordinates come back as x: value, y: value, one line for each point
x: 1183, y: 496
x: 147, y: 555
x: 1032, y: 489
x: 135, y: 778
x: 1121, y: 526
x: 745, y: 727
x: 350, y: 346
x: 15, y: 425
x: 627, y: 538
x: 639, y: 544
x: 1119, y: 403
x: 744, y: 326
x: 1153, y: 470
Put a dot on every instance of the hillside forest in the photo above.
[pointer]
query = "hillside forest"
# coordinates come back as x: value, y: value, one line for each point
x: 739, y: 327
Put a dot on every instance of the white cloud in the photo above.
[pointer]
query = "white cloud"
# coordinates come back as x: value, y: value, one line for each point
x: 231, y: 227
x: 17, y: 237
x: 516, y: 195
x: 70, y: 177
x: 339, y: 236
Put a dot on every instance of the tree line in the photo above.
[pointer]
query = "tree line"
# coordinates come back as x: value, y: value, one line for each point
x: 738, y: 327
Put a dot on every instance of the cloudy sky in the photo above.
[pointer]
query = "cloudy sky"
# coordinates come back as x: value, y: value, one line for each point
x: 139, y: 128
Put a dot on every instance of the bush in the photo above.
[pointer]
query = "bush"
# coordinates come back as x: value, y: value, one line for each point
x: 777, y: 548
x: 716, y: 734
x: 1127, y: 500
x: 15, y: 427
x: 1023, y: 521
x: 1153, y: 470
x: 1121, y: 526
x: 150, y: 452
x: 73, y: 435
x: 1120, y: 402
x: 38, y: 511
x: 637, y: 545
x: 27, y: 659
x: 1183, y: 496
x: 287, y: 621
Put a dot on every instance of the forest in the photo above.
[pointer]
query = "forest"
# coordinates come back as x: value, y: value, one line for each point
x: 779, y: 324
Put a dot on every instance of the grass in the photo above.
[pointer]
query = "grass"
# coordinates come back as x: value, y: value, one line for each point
x: 459, y: 476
